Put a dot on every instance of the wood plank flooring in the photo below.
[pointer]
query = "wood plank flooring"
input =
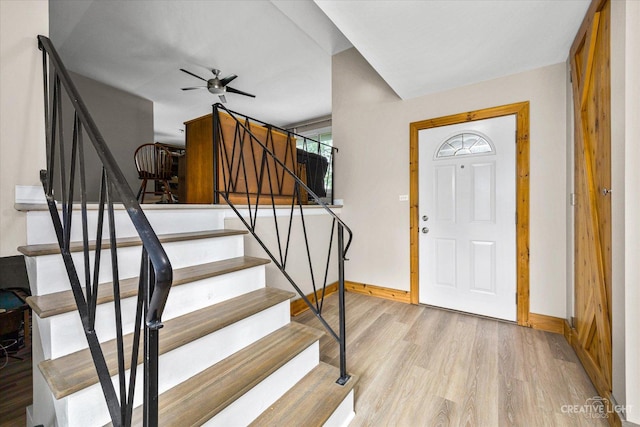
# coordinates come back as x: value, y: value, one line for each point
x: 15, y: 389
x: 421, y: 366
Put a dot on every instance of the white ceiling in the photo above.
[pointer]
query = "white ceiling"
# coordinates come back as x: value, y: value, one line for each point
x: 427, y: 46
x: 281, y: 49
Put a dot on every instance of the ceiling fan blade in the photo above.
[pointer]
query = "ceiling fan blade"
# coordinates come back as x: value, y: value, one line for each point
x: 230, y: 89
x: 222, y: 99
x: 190, y: 73
x: 228, y: 79
x: 192, y: 88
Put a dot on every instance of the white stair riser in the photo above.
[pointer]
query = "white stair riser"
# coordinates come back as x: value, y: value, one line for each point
x: 251, y: 404
x: 344, y: 413
x: 47, y: 273
x: 87, y: 407
x: 170, y: 220
x: 63, y: 334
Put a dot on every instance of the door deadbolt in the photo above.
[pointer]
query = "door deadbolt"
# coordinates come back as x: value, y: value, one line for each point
x: 425, y: 218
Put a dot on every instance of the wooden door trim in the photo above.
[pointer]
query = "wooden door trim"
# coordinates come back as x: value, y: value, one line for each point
x: 521, y: 111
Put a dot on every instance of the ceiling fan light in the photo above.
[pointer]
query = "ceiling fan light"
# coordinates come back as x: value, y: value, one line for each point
x: 215, y: 87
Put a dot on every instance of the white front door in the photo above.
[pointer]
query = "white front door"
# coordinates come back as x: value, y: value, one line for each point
x: 467, y: 207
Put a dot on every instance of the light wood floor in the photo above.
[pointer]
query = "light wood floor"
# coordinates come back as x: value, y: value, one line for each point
x: 421, y: 366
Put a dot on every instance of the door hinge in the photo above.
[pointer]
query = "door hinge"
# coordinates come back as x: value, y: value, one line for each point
x: 516, y: 218
x: 516, y: 298
x: 573, y: 199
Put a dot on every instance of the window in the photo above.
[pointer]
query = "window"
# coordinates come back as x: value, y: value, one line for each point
x: 310, y: 145
x: 320, y: 142
x: 464, y: 144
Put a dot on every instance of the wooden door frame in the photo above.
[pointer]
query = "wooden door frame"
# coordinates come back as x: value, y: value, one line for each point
x: 521, y: 111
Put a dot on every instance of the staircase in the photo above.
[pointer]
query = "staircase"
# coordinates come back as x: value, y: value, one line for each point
x: 228, y: 353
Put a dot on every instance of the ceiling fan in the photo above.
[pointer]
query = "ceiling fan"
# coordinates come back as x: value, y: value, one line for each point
x: 216, y: 85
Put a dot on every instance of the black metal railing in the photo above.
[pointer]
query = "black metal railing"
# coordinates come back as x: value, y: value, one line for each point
x: 316, y: 158
x: 256, y: 175
x: 63, y: 179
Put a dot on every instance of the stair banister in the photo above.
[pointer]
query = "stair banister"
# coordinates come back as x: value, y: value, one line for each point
x: 156, y: 271
x: 231, y: 164
x: 159, y: 260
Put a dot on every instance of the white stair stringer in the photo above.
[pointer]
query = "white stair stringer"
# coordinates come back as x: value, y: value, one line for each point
x: 87, y: 407
x: 63, y: 334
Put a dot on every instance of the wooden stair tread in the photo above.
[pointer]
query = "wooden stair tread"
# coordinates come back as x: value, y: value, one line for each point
x: 204, y: 395
x: 53, y: 248
x: 75, y: 371
x: 63, y: 302
x: 310, y: 402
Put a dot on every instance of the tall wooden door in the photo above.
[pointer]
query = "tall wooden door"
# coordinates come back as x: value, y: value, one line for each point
x: 591, y: 100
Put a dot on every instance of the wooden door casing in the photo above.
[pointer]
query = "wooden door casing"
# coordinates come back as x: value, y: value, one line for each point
x: 591, y: 83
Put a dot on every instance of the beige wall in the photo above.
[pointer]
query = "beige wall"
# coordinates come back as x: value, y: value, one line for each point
x: 625, y: 182
x: 617, y: 197
x: 318, y: 227
x: 632, y: 211
x: 371, y: 129
x: 21, y: 111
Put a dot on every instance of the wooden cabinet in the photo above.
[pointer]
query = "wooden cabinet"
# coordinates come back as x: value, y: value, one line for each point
x: 242, y: 168
x: 199, y: 160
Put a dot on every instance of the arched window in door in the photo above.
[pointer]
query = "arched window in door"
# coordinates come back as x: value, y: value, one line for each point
x: 465, y: 144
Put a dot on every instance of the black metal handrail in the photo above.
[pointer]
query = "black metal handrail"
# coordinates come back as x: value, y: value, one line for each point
x: 156, y: 274
x: 246, y: 159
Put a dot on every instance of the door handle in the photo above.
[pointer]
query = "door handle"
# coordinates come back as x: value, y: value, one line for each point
x: 606, y: 191
x: 425, y: 230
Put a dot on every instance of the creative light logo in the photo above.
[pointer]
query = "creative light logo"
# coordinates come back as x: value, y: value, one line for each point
x: 594, y: 407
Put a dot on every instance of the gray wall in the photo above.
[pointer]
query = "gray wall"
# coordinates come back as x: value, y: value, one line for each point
x: 125, y: 122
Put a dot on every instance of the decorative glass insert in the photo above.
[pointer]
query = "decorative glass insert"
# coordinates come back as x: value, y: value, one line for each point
x: 464, y: 144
